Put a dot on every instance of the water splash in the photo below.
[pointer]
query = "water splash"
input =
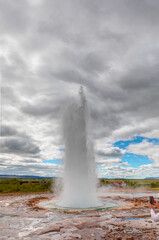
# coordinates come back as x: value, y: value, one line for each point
x: 79, y: 170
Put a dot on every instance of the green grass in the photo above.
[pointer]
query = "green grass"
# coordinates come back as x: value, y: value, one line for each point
x: 16, y: 185
x: 150, y: 183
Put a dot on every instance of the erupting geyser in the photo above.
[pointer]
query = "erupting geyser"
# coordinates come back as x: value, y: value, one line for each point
x: 79, y: 187
x: 79, y: 181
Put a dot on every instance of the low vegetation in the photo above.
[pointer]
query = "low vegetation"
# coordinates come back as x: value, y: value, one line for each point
x: 135, y: 183
x: 43, y: 185
x: 25, y: 185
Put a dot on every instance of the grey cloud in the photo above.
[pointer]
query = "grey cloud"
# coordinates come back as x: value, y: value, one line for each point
x: 112, y: 153
x: 13, y: 18
x: 105, y: 162
x: 18, y: 146
x: 9, y: 95
x: 92, y: 63
x: 39, y: 110
x: 70, y: 75
x: 7, y: 131
x: 44, y: 106
x: 33, y: 168
x: 142, y: 76
x: 13, y: 131
x: 15, y: 69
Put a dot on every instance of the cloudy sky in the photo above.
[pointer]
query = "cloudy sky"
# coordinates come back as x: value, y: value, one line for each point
x: 51, y: 47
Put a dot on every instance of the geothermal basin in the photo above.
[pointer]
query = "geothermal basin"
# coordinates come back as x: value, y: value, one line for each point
x: 23, y: 216
x: 109, y: 198
x: 104, y: 204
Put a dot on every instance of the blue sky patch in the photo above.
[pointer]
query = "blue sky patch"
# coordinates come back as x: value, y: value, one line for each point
x: 54, y: 161
x: 61, y: 149
x: 124, y: 144
x: 135, y: 160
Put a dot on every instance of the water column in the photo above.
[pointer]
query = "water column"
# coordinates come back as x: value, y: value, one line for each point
x: 79, y: 187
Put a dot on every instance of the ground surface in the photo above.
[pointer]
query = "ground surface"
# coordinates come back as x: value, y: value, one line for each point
x: 22, y: 218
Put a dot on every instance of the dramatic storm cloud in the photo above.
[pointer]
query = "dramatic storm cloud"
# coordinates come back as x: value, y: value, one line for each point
x: 50, y: 48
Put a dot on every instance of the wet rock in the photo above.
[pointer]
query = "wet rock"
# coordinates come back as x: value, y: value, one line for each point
x: 68, y: 236
x: 134, y: 230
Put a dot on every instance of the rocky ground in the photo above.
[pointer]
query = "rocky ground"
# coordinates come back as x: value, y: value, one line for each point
x: 22, y: 218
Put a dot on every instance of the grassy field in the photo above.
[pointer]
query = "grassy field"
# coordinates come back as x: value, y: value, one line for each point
x: 135, y: 183
x: 25, y: 185
x: 37, y: 185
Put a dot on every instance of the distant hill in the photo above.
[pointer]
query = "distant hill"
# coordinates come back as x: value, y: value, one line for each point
x: 39, y: 177
x: 22, y: 176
